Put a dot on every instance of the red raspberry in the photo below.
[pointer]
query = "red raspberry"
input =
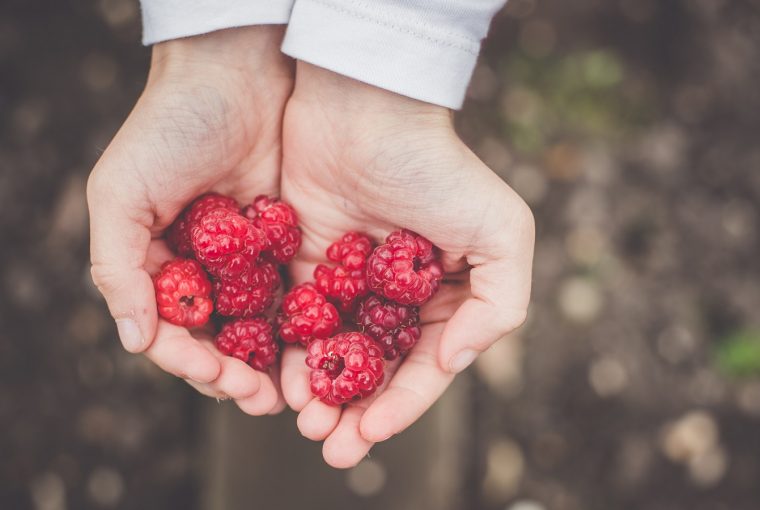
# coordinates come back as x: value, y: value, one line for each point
x: 226, y: 243
x: 306, y: 315
x: 280, y: 225
x: 405, y: 269
x: 249, y: 340
x: 248, y: 295
x: 395, y: 327
x: 341, y: 285
x: 351, y: 250
x: 346, y: 367
x: 178, y: 235
x: 183, y: 293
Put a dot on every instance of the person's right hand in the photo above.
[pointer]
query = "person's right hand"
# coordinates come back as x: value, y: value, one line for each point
x: 209, y: 119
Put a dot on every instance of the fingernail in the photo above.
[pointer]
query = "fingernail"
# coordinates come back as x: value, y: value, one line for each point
x: 130, y: 335
x: 462, y: 360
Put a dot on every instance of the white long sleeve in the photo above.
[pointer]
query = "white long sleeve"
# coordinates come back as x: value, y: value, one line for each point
x: 424, y: 49
x: 171, y: 19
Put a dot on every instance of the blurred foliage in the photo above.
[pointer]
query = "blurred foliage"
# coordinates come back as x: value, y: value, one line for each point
x: 582, y: 92
x: 739, y: 354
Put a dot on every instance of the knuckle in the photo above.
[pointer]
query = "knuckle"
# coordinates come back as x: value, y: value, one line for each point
x: 104, y: 278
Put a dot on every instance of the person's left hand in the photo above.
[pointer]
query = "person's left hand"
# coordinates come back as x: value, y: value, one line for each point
x: 357, y: 158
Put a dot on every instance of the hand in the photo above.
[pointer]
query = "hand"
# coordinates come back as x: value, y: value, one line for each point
x: 210, y: 118
x: 360, y: 158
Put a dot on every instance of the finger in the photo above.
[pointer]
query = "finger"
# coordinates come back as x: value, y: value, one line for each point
x: 236, y: 379
x: 274, y: 374
x: 119, y: 238
x: 263, y: 402
x: 317, y: 420
x: 416, y: 385
x: 295, y: 377
x: 345, y: 446
x: 207, y: 390
x: 178, y: 353
x: 500, y: 282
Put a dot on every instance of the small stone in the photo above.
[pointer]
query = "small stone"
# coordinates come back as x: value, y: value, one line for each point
x: 675, y: 344
x: 525, y: 504
x: 48, y: 492
x: 495, y: 154
x: 504, y: 470
x: 367, y: 478
x: 537, y: 38
x: 607, y: 377
x: 708, y: 469
x: 500, y: 367
x: 585, y: 245
x: 580, y: 300
x: 689, y: 437
x: 99, y: 72
x: 748, y: 398
x: 105, y: 486
x: 530, y: 183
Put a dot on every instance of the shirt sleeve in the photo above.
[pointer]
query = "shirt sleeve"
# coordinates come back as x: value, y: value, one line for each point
x: 423, y: 49
x: 171, y: 19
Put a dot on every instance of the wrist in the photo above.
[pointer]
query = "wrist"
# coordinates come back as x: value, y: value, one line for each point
x: 253, y: 53
x: 356, y: 100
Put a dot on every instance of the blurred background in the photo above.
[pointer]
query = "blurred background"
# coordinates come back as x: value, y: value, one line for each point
x: 632, y: 128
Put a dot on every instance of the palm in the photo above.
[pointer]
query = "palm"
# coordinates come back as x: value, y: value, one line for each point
x: 201, y: 125
x: 348, y: 180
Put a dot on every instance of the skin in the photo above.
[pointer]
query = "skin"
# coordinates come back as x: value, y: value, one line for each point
x: 356, y: 157
x: 209, y: 119
x: 221, y: 112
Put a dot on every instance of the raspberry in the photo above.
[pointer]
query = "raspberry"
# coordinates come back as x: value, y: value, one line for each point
x: 178, y: 235
x: 280, y: 225
x: 345, y: 367
x: 405, y: 269
x: 249, y: 340
x: 183, y: 293
x: 226, y: 243
x: 341, y: 285
x: 306, y: 315
x: 248, y: 295
x: 395, y: 327
x: 351, y: 250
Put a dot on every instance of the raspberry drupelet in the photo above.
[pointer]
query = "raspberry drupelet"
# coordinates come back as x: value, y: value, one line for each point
x: 305, y: 315
x: 279, y: 223
x: 351, y: 250
x: 183, y: 293
x: 178, y: 235
x: 395, y: 327
x: 249, y: 340
x: 405, y: 268
x: 346, y: 283
x: 226, y: 243
x: 346, y: 367
x: 341, y: 285
x: 250, y: 294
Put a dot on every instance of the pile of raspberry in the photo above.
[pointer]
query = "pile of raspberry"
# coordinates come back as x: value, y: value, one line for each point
x: 359, y: 312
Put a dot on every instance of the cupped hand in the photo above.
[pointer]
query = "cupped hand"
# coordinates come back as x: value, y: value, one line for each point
x: 209, y: 119
x: 357, y: 158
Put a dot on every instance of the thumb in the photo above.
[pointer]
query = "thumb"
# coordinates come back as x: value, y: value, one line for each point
x: 119, y: 239
x: 500, y: 281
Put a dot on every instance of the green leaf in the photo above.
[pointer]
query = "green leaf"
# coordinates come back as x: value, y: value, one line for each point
x: 739, y: 354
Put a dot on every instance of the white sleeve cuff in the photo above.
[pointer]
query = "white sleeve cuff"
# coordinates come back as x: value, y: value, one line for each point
x: 423, y: 53
x: 172, y: 19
